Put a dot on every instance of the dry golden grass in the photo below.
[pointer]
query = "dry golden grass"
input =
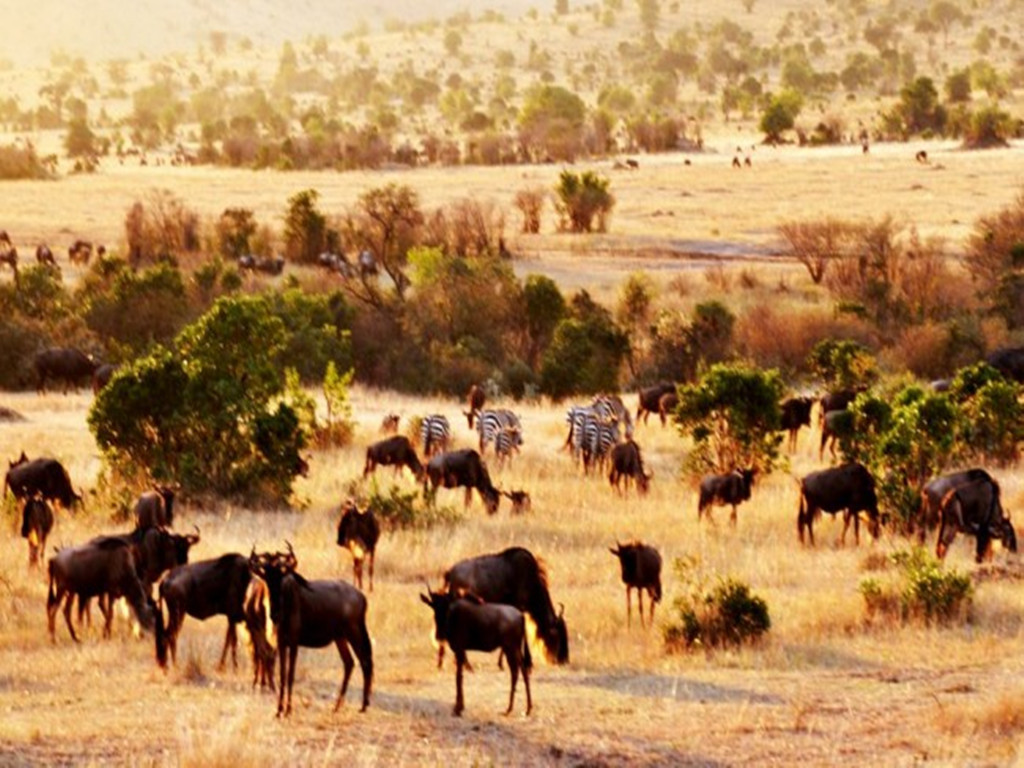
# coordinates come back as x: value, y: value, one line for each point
x: 823, y: 688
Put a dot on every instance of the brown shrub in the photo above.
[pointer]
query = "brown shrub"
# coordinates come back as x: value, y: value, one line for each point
x: 530, y: 203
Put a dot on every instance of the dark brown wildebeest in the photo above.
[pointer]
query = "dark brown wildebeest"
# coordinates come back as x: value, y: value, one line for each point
x: 667, y: 405
x: 41, y: 477
x: 80, y: 252
x: 314, y: 614
x: 8, y: 253
x: 469, y: 624
x: 358, y: 532
x: 395, y: 451
x: 44, y: 255
x: 155, y: 508
x: 520, y: 501
x: 1009, y: 361
x: 475, y: 399
x: 834, y: 424
x: 207, y: 588
x: 921, y: 156
x: 90, y: 570
x: 463, y: 468
x: 849, y: 488
x: 641, y: 569
x: 975, y: 508
x: 838, y: 401
x: 935, y: 490
x: 649, y: 398
x: 102, y: 376
x: 257, y: 624
x: 627, y: 464
x: 514, y: 577
x: 796, y: 413
x: 70, y: 366
x: 732, y: 488
x: 36, y: 524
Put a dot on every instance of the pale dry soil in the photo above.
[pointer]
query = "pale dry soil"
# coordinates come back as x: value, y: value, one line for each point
x: 825, y: 687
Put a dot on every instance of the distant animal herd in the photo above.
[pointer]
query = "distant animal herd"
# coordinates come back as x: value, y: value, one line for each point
x: 484, y: 600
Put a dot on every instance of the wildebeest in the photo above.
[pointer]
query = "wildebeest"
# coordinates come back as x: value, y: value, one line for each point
x: 396, y: 451
x: 71, y: 366
x: 520, y: 501
x: 796, y: 413
x: 258, y: 625
x: 91, y: 570
x: 44, y: 255
x: 921, y: 156
x: 849, y: 488
x: 389, y: 424
x: 466, y: 469
x: 36, y: 524
x: 627, y: 464
x: 314, y: 614
x: 155, y: 508
x: 975, y: 508
x: 435, y: 433
x: 41, y: 477
x: 667, y: 405
x: 649, y: 398
x: 475, y: 399
x: 104, y: 373
x: 80, y: 252
x: 935, y: 490
x: 641, y: 569
x: 469, y: 624
x: 1009, y: 361
x: 207, y: 588
x: 839, y: 400
x: 834, y: 424
x: 514, y: 577
x: 358, y: 532
x: 8, y: 253
x: 266, y: 264
x: 732, y: 488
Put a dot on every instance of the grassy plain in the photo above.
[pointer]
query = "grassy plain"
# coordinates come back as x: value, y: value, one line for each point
x: 825, y: 687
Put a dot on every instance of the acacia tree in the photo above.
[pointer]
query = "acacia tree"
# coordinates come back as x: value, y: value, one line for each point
x: 305, y: 227
x: 816, y: 244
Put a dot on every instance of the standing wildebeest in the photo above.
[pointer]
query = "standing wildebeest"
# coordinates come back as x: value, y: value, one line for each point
x: 94, y: 569
x: 667, y: 405
x: 718, y: 490
x: 628, y: 464
x: 475, y: 400
x: 796, y: 413
x: 257, y: 624
x: 44, y: 255
x: 436, y: 433
x: 469, y: 624
x: 80, y: 252
x: 36, y: 524
x: 935, y: 491
x: 42, y: 477
x: 975, y: 508
x: 514, y: 577
x: 838, y: 401
x: 650, y: 397
x: 155, y: 508
x: 71, y: 366
x: 314, y: 614
x: 8, y: 253
x: 397, y: 452
x: 641, y: 568
x: 389, y: 424
x: 1009, y: 361
x: 201, y: 590
x: 102, y: 376
x: 358, y: 532
x: 834, y: 424
x: 848, y: 487
x: 463, y: 468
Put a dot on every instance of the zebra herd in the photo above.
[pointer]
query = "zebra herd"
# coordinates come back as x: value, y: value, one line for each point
x: 596, y: 428
x: 500, y: 428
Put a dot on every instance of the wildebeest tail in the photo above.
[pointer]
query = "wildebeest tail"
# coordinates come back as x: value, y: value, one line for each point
x: 160, y: 632
x: 527, y: 658
x: 51, y: 593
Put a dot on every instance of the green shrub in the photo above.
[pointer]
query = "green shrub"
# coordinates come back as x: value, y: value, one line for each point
x: 923, y: 592
x: 726, y: 614
x: 399, y: 510
x: 582, y: 198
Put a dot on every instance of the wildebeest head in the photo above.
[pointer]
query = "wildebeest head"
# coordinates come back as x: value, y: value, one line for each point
x: 183, y: 543
x: 560, y: 634
x: 491, y: 497
x: 1008, y: 534
x: 439, y: 603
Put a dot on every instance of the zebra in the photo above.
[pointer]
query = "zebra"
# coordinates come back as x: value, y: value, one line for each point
x: 610, y: 408
x: 436, y: 433
x: 576, y: 417
x: 507, y: 442
x: 598, y: 439
x: 490, y: 423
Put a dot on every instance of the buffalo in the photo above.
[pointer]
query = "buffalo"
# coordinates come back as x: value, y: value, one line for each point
x: 849, y: 488
x: 463, y: 468
x: 41, y: 477
x: 70, y: 366
x: 641, y: 569
x: 397, y: 452
x: 627, y: 464
x: 358, y: 532
x: 975, y: 508
x: 36, y: 524
x: 718, y: 490
x: 796, y: 413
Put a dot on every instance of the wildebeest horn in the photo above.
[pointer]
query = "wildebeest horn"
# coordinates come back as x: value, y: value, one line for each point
x: 561, y: 610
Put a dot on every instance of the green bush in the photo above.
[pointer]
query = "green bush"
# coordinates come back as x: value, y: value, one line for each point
x: 582, y: 198
x: 396, y: 509
x: 924, y: 591
x: 727, y: 614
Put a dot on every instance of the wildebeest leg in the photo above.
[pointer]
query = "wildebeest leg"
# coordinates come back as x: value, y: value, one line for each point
x: 629, y: 609
x: 526, y: 682
x: 67, y: 615
x: 371, y: 557
x: 52, y: 606
x: 513, y: 670
x: 440, y: 654
x: 230, y: 641
x: 282, y: 656
x: 984, y: 545
x: 732, y: 519
x: 460, y: 662
x: 650, y: 596
x: 640, y: 602
x: 346, y: 660
x: 469, y: 496
x: 107, y: 609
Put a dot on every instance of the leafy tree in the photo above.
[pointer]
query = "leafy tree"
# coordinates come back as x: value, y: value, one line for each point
x: 80, y: 140
x: 452, y: 42
x: 582, y: 198
x: 545, y: 308
x: 842, y: 364
x: 946, y: 13
x: 780, y: 114
x: 551, y: 122
x: 958, y: 87
x: 235, y: 229
x: 816, y: 244
x: 732, y: 415
x: 993, y: 416
x: 919, y: 107
x: 989, y: 127
x: 305, y: 228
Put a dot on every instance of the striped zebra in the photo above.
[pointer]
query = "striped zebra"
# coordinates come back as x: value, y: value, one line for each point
x: 610, y: 408
x: 507, y: 442
x: 489, y: 424
x: 598, y: 439
x: 576, y: 417
x: 436, y: 433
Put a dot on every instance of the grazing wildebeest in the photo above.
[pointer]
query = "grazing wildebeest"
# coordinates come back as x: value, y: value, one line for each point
x: 257, y: 624
x: 834, y: 424
x: 975, y: 509
x: 667, y: 405
x: 9, y: 256
x: 70, y: 366
x: 650, y: 397
x: 314, y: 614
x: 627, y: 464
x: 207, y: 588
x: 436, y: 433
x: 389, y: 424
x: 935, y: 490
x: 641, y: 568
x: 90, y: 570
x: 848, y: 487
x: 36, y: 524
x: 102, y: 376
x: 732, y: 488
x: 42, y: 477
x: 520, y: 501
x: 1009, y: 361
x: 514, y: 577
x: 463, y: 468
x: 358, y: 532
x: 80, y: 252
x: 395, y: 451
x: 469, y: 624
x: 155, y: 508
x: 796, y: 413
x: 475, y: 399
x: 44, y: 255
